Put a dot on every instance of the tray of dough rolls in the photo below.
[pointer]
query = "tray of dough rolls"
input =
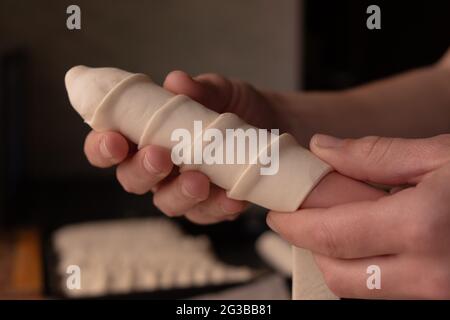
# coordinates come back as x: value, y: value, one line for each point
x: 139, y: 257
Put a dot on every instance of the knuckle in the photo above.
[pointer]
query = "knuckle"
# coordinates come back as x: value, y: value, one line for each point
x: 193, y: 187
x: 215, y: 78
x: 326, y: 240
x: 374, y: 149
x: 245, y: 90
x: 245, y: 86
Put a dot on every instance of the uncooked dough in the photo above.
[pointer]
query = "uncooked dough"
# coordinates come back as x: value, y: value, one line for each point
x: 149, y: 258
x: 111, y: 99
x: 276, y: 252
x: 114, y: 100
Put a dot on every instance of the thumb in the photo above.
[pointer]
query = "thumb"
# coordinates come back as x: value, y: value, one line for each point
x: 211, y: 90
x: 383, y: 160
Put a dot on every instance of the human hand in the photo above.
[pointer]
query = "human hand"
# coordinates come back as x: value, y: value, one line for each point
x: 444, y: 62
x: 151, y: 168
x: 406, y: 233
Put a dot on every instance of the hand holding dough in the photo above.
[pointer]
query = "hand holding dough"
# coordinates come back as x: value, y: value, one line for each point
x: 114, y: 100
x: 110, y: 99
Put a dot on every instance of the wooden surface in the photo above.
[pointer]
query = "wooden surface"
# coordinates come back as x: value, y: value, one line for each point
x: 21, y: 274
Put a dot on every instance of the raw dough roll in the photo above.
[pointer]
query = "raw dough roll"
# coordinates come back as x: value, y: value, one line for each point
x: 110, y: 99
x: 115, y: 100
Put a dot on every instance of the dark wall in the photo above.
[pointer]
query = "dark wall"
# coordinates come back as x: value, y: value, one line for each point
x: 340, y: 51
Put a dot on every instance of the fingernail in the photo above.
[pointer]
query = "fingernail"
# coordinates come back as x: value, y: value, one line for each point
x: 270, y: 223
x: 326, y: 141
x: 104, y: 149
x: 227, y: 209
x: 186, y: 192
x: 149, y: 166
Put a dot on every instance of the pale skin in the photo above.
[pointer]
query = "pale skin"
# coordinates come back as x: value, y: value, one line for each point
x: 405, y: 231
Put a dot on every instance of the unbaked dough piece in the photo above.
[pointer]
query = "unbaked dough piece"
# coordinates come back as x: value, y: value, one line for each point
x: 307, y: 279
x: 139, y: 255
x: 222, y: 122
x: 114, y: 100
x: 276, y: 252
x: 110, y: 99
x: 299, y: 172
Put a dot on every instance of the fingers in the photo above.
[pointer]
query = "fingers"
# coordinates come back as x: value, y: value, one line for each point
x: 190, y: 194
x: 398, y: 277
x: 210, y: 90
x: 145, y: 169
x: 336, y: 189
x: 224, y: 95
x: 383, y: 160
x: 218, y: 207
x: 352, y: 230
x: 182, y: 193
x: 105, y: 149
x: 445, y: 60
x: 151, y: 168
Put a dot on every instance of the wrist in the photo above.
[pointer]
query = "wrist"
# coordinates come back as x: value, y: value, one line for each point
x: 293, y: 108
x: 311, y: 112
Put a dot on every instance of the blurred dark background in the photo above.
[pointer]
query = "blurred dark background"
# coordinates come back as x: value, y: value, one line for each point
x: 341, y: 52
x: 311, y: 44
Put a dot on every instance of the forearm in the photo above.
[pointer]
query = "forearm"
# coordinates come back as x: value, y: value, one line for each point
x: 412, y: 104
